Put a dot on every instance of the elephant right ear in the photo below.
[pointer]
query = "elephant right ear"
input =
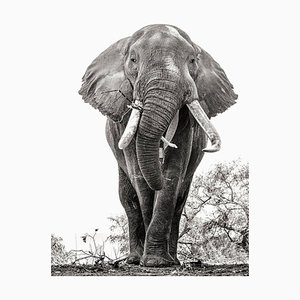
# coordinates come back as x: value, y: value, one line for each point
x: 104, y: 84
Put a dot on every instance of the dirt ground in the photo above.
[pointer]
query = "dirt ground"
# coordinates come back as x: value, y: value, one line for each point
x: 191, y: 269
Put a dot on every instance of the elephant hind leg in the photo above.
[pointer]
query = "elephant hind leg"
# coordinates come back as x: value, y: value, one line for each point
x: 130, y: 202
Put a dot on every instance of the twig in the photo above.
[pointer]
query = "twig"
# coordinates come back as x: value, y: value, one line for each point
x: 93, y: 256
x: 84, y: 252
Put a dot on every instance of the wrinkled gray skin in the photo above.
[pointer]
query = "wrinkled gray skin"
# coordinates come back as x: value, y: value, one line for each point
x: 160, y: 66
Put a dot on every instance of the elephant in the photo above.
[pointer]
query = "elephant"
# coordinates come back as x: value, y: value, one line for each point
x: 159, y: 91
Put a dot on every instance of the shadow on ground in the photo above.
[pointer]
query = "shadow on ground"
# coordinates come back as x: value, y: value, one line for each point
x: 131, y: 270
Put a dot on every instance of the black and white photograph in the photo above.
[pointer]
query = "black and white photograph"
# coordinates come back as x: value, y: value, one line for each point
x: 160, y: 91
x: 149, y: 149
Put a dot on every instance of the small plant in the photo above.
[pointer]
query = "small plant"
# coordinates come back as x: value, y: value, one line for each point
x: 96, y: 254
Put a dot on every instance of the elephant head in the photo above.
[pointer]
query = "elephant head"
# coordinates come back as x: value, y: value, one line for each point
x: 158, y: 70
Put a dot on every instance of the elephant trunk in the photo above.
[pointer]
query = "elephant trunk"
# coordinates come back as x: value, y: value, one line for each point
x: 161, y: 102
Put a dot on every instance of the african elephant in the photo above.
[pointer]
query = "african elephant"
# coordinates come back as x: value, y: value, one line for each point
x: 157, y: 87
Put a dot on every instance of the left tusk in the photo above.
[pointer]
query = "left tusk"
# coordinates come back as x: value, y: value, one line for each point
x: 202, y: 119
x: 131, y: 127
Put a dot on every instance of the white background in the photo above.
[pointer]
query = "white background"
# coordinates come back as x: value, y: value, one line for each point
x: 59, y: 176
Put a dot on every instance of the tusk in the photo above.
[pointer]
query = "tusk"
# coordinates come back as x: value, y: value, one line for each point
x: 131, y: 127
x: 170, y: 132
x: 201, y: 117
x: 167, y: 143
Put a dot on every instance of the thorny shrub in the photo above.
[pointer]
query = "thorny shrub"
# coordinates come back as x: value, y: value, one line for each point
x: 59, y: 255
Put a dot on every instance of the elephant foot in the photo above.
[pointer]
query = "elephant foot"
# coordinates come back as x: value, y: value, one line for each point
x: 133, y: 259
x: 157, y: 261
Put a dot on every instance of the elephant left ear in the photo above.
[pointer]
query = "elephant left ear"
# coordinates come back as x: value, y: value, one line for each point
x: 213, y: 85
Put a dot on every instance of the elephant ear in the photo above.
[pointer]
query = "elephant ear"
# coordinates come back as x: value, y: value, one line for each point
x: 213, y: 86
x: 104, y: 84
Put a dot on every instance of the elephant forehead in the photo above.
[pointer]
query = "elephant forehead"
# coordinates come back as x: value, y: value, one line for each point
x: 165, y: 33
x: 174, y: 32
x: 162, y: 38
x: 156, y: 36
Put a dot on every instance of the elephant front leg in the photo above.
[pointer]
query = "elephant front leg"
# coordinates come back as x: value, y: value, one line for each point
x: 131, y: 205
x: 156, y: 249
x: 173, y: 243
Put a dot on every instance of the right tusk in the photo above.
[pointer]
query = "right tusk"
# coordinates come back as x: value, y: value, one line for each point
x: 167, y: 143
x: 201, y: 117
x: 171, y: 132
x: 131, y: 127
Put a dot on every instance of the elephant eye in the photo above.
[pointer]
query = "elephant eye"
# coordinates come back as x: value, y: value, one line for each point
x: 192, y: 60
x: 133, y: 59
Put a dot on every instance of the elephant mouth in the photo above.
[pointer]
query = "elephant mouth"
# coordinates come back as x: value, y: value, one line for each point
x: 197, y: 112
